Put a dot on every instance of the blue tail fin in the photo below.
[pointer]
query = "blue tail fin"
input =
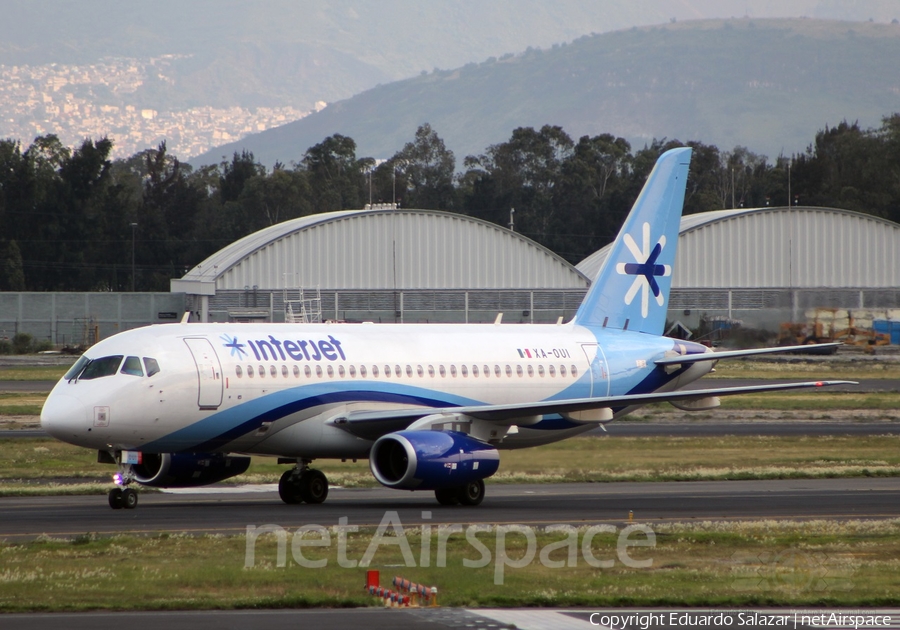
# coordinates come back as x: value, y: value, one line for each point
x: 631, y: 290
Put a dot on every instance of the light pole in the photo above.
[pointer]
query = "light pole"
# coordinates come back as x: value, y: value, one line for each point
x: 133, y: 228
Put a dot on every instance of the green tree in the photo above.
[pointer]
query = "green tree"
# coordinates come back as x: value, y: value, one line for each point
x: 427, y: 168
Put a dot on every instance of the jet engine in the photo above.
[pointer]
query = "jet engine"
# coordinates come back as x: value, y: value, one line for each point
x: 431, y: 460
x: 187, y: 470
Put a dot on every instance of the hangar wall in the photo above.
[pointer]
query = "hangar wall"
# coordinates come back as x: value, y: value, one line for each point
x: 385, y: 265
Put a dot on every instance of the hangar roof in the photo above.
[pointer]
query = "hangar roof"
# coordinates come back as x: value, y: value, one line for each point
x: 382, y: 249
x: 799, y: 247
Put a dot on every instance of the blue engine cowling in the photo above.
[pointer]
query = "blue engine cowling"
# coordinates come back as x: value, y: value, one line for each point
x: 430, y: 460
x: 187, y: 470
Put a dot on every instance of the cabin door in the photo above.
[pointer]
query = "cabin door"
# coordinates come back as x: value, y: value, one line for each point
x: 209, y: 372
x: 599, y: 374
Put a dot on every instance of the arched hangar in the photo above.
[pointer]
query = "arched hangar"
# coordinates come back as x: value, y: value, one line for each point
x: 384, y: 264
x: 766, y: 266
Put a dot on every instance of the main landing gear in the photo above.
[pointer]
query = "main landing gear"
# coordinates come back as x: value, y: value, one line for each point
x: 470, y: 494
x: 303, y: 485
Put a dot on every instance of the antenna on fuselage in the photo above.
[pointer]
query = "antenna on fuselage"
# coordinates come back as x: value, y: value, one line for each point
x: 186, y: 317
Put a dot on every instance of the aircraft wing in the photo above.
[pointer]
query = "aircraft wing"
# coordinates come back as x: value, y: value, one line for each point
x: 737, y: 354
x: 371, y: 425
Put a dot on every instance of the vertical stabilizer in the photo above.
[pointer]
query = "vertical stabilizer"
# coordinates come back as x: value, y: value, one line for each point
x: 631, y: 290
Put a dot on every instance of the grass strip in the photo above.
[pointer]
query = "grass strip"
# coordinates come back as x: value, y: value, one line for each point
x: 29, y: 466
x: 765, y: 563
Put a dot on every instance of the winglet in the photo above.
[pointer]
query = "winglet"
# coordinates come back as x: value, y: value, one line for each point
x: 631, y: 291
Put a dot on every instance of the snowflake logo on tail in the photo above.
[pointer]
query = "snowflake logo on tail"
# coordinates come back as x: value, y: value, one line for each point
x: 645, y: 270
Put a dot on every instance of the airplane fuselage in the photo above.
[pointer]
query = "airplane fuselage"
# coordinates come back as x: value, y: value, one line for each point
x: 272, y: 389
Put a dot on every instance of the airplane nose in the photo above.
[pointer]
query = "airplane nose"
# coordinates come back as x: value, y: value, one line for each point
x: 64, y: 417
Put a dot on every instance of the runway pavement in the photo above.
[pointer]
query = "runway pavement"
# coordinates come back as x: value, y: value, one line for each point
x: 437, y: 618
x: 24, y: 518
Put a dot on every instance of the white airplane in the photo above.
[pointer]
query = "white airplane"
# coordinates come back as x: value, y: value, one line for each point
x: 429, y: 405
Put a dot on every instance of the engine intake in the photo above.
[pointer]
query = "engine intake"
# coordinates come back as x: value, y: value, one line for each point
x: 187, y: 470
x: 431, y: 460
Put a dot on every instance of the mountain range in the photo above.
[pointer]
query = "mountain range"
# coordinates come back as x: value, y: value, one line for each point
x: 768, y: 85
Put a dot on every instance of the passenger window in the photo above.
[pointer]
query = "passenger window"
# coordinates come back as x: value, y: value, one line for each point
x: 431, y: 371
x: 409, y: 371
x: 540, y: 370
x: 262, y: 372
x: 562, y: 370
x: 387, y: 370
x: 420, y: 371
x: 284, y: 371
x: 508, y: 371
x: 474, y: 370
x: 341, y: 371
x: 319, y: 371
x: 442, y: 371
x: 362, y: 371
x: 518, y: 370
x: 375, y: 371
x: 98, y: 368
x: 330, y: 372
x: 487, y: 371
x: 352, y: 370
x: 296, y: 372
x: 574, y: 371
x: 551, y: 369
x: 530, y: 371
x: 238, y: 371
x: 307, y: 371
x: 398, y: 371
x: 497, y: 371
x: 132, y: 366
x: 453, y: 371
x: 273, y: 371
x: 463, y: 370
x: 250, y: 371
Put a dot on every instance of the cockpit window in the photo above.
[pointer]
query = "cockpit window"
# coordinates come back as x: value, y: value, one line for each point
x: 98, y: 368
x: 152, y: 366
x: 75, y: 370
x: 132, y: 366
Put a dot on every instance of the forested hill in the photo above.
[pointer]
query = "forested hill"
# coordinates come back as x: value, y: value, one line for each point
x: 768, y: 85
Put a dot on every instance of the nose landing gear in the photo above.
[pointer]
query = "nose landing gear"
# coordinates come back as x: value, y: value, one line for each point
x: 122, y: 496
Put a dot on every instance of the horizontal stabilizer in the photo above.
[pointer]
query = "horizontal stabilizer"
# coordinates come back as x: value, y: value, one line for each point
x: 737, y: 354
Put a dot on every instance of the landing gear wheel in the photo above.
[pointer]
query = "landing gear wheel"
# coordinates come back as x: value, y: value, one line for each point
x: 447, y: 496
x: 472, y: 493
x: 289, y: 488
x: 116, y: 499
x: 129, y: 499
x: 313, y: 486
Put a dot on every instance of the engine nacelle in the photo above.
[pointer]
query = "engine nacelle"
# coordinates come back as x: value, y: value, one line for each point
x: 187, y: 470
x: 430, y: 460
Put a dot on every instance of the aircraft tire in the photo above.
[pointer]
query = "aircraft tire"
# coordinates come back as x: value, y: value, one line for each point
x: 447, y: 496
x: 129, y: 499
x: 313, y: 486
x: 116, y: 500
x: 472, y: 493
x: 289, y: 489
